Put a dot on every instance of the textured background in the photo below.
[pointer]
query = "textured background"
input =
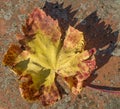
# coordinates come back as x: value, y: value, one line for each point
x: 100, y: 22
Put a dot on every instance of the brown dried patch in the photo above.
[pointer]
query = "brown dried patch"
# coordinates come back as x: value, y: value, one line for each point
x: 74, y: 84
x: 74, y: 39
x: 10, y: 56
x: 26, y: 89
x: 38, y: 20
x: 49, y: 95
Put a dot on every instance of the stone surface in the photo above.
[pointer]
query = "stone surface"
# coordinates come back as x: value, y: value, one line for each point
x: 100, y: 22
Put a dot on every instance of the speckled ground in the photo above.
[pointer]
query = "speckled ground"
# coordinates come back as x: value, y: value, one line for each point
x: 100, y: 22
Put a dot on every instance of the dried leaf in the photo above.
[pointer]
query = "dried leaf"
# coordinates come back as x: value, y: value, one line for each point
x: 43, y: 54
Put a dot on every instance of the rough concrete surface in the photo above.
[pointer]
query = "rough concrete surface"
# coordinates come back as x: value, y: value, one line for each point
x: 100, y: 22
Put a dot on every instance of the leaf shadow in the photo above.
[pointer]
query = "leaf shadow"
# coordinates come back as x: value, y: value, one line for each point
x: 97, y: 33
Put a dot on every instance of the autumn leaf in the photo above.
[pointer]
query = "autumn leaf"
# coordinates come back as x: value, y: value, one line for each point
x: 43, y: 54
